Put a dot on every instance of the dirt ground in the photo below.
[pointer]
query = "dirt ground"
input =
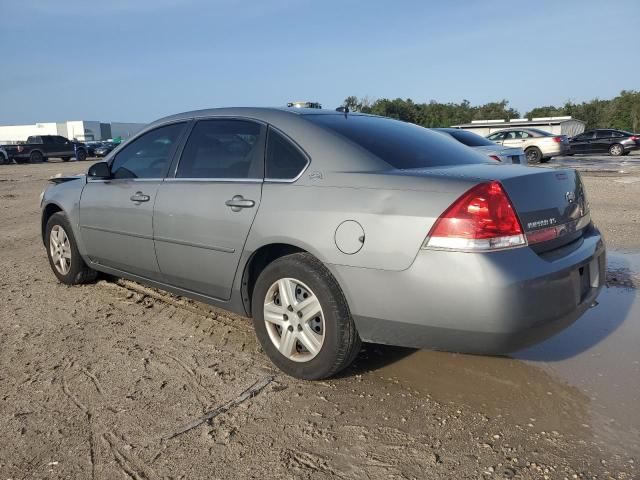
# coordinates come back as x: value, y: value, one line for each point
x: 95, y: 379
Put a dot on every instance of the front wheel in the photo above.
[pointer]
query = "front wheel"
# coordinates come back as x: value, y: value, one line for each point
x: 302, y: 319
x: 616, y: 150
x: 62, y: 251
x: 534, y: 155
x: 81, y: 155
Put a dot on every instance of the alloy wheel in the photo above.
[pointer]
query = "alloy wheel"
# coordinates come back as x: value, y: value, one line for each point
x: 60, y: 249
x: 294, y: 319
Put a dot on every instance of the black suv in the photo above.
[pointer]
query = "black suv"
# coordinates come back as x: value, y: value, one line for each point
x: 616, y: 142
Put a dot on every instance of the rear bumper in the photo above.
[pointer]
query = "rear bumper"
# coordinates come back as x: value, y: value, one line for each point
x: 554, y: 150
x: 490, y: 303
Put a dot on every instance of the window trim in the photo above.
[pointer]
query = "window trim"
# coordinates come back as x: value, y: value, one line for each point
x: 296, y: 146
x: 173, y: 170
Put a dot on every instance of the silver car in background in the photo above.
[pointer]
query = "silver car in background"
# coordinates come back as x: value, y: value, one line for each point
x: 481, y: 144
x: 329, y: 229
x: 539, y: 146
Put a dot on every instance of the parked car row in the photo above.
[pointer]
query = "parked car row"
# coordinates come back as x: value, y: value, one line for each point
x: 39, y: 148
x: 532, y: 145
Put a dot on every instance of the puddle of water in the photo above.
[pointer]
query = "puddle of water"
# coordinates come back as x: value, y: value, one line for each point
x: 584, y: 381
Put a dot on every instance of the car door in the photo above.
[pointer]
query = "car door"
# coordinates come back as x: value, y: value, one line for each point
x: 580, y: 143
x: 603, y: 140
x: 203, y: 214
x: 513, y: 138
x: 49, y: 147
x: 116, y: 215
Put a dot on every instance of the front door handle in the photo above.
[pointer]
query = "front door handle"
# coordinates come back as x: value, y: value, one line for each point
x: 238, y: 202
x: 140, y: 197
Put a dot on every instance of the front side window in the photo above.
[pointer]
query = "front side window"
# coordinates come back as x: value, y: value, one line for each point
x: 603, y: 134
x: 148, y: 156
x: 284, y: 160
x: 223, y: 149
x: 584, y: 136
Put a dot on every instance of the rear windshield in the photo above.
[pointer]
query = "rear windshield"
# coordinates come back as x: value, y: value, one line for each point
x: 470, y: 139
x: 401, y: 145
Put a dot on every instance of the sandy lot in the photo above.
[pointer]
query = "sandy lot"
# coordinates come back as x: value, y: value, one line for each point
x: 95, y: 379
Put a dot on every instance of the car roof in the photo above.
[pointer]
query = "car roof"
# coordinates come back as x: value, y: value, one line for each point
x: 259, y: 113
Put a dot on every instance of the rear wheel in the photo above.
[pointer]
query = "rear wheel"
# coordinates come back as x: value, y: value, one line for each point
x: 63, y: 254
x: 534, y: 155
x: 36, y: 157
x: 302, y: 319
x: 616, y: 150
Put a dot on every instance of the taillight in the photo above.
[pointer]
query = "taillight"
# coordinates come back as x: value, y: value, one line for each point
x: 495, y: 157
x: 482, y: 219
x: 635, y: 138
x: 557, y: 139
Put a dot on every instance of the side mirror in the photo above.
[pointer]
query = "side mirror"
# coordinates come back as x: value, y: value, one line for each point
x: 99, y: 171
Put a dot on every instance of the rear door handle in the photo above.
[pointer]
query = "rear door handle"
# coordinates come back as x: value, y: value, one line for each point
x: 238, y: 202
x: 140, y: 197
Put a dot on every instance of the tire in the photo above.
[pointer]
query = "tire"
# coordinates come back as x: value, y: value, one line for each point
x: 616, y: 150
x: 3, y: 160
x: 309, y: 279
x: 533, y: 154
x: 36, y: 157
x: 81, y: 155
x: 64, y: 258
x: 65, y: 159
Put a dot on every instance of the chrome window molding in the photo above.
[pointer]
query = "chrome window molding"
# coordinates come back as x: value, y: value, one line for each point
x: 212, y: 180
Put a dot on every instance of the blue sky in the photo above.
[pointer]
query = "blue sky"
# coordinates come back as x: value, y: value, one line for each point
x: 138, y: 60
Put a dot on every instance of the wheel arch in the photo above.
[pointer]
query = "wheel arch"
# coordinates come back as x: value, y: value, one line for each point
x: 50, y: 209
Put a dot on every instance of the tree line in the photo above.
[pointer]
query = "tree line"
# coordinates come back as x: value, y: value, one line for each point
x: 621, y: 112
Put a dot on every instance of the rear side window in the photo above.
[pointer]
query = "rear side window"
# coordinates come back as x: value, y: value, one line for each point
x: 284, y: 160
x: 496, y: 136
x: 223, y: 149
x: 402, y: 145
x: 148, y: 156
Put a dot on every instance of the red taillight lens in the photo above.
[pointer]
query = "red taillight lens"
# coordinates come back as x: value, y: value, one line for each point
x: 481, y: 219
x: 635, y: 138
x: 557, y: 139
x: 495, y: 157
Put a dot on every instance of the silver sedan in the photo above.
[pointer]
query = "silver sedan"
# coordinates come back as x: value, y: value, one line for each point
x: 329, y: 229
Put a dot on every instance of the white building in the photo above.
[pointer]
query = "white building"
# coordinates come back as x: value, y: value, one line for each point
x: 556, y: 125
x: 81, y: 130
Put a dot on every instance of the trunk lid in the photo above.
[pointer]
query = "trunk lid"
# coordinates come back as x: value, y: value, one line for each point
x: 543, y: 198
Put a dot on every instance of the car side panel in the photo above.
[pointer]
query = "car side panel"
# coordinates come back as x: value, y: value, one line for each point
x: 395, y: 222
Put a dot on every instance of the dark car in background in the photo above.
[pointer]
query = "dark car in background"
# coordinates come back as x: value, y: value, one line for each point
x: 39, y: 148
x: 481, y: 144
x: 104, y: 149
x: 614, y: 142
